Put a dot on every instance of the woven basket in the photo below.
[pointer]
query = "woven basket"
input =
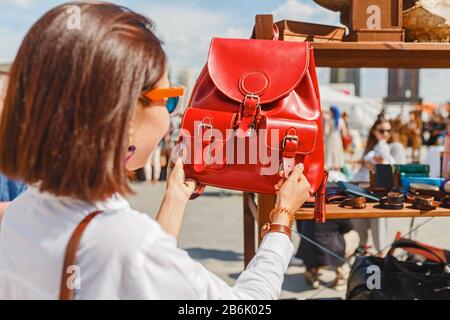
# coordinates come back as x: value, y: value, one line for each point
x: 423, y: 26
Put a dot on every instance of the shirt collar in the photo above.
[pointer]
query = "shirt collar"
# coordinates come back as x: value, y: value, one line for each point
x: 113, y: 203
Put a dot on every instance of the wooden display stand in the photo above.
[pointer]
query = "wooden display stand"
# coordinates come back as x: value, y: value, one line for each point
x: 376, y: 21
x: 351, y: 55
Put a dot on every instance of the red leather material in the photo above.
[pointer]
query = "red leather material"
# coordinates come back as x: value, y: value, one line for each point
x: 261, y: 84
x: 283, y: 71
x: 210, y: 127
x: 306, y: 131
x: 319, y: 205
x: 247, y: 119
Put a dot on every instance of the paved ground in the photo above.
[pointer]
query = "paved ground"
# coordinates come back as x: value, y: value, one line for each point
x: 212, y: 233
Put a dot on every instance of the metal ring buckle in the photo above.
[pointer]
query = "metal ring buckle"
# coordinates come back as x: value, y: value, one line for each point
x: 290, y: 137
x: 252, y: 96
x: 203, y: 125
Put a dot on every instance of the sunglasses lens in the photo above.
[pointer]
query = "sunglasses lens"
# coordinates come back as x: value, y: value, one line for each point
x: 172, y: 104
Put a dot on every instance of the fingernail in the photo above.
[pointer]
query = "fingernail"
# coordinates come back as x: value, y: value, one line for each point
x: 300, y: 166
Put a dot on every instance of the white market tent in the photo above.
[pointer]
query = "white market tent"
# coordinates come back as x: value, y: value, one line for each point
x: 362, y: 112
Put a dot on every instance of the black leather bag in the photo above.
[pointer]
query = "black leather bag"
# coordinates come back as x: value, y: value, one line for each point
x: 400, y: 280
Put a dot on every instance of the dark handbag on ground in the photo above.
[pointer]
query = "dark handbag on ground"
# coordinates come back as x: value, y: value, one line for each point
x: 400, y: 280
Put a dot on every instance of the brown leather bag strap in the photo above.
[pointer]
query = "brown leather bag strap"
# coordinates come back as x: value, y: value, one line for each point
x: 66, y: 291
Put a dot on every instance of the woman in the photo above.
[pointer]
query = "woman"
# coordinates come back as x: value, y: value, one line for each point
x: 377, y: 149
x: 377, y: 152
x: 334, y: 149
x: 79, y: 94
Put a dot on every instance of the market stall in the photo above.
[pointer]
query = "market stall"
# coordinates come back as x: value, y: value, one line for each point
x: 331, y: 51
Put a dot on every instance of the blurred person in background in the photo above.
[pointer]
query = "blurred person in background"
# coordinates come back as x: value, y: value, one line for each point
x: 347, y: 139
x: 398, y: 150
x: 338, y: 237
x: 334, y: 127
x: 377, y: 151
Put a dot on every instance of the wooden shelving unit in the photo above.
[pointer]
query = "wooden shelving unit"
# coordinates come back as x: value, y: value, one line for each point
x: 334, y: 211
x: 345, y: 55
x: 382, y: 55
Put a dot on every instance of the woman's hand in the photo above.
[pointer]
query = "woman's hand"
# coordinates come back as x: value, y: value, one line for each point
x: 291, y: 193
x: 294, y: 191
x: 177, y: 185
x: 179, y: 190
x: 378, y: 159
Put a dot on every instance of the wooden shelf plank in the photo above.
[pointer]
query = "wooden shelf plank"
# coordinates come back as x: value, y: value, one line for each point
x: 334, y: 211
x: 382, y: 55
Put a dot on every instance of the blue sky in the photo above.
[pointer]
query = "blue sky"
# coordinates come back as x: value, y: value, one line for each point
x: 186, y: 28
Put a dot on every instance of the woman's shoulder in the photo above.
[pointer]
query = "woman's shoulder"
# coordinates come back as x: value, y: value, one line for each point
x: 118, y: 228
x: 123, y: 231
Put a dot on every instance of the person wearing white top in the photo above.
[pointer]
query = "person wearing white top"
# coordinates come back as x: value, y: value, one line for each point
x: 377, y: 151
x: 89, y: 110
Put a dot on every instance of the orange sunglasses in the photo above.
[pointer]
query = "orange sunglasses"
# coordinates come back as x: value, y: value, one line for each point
x: 171, y: 95
x: 164, y: 93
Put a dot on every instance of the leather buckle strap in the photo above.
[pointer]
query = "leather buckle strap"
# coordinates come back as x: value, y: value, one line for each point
x: 319, y: 203
x: 289, y: 149
x: 354, y: 203
x: 249, y: 116
x: 199, y: 161
x: 251, y: 105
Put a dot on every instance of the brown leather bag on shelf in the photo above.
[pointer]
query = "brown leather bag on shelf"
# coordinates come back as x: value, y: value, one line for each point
x: 66, y: 290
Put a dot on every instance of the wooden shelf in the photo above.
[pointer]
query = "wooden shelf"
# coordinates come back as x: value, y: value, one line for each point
x: 382, y: 55
x: 336, y: 212
x: 346, y: 55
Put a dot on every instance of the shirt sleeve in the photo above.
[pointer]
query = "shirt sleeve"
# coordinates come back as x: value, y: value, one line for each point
x: 163, y: 271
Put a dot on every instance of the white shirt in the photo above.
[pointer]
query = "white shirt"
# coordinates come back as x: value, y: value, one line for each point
x: 381, y: 149
x: 123, y: 254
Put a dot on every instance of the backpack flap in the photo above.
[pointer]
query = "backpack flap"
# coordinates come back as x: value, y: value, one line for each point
x: 290, y: 139
x: 236, y: 72
x: 253, y: 82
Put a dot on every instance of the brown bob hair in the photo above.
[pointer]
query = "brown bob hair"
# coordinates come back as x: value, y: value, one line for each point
x: 372, y: 140
x: 71, y: 97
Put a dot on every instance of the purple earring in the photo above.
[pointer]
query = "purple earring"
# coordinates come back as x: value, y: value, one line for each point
x: 132, y: 149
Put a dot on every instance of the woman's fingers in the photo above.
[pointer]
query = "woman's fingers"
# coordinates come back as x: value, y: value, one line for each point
x: 177, y: 171
x: 191, y: 185
x: 304, y: 183
x: 297, y: 172
x: 279, y: 184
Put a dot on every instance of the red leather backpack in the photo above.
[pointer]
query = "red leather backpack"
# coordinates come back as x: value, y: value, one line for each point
x: 255, y: 100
